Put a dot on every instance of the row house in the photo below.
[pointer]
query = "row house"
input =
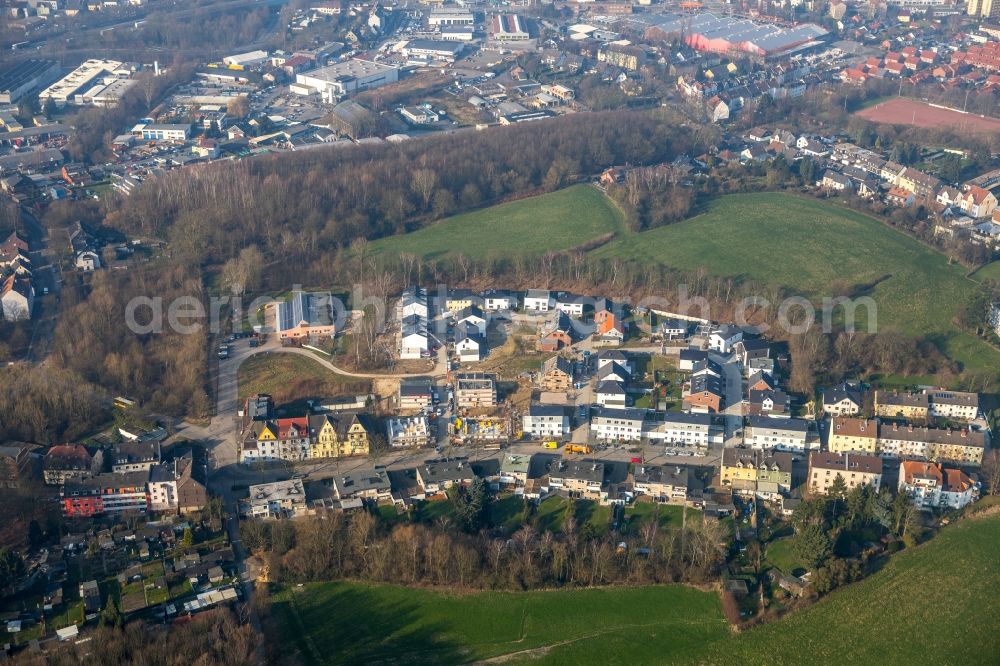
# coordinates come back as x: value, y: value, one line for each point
x: 302, y: 438
x: 102, y: 494
x: 687, y: 429
x: 618, y: 424
x: 893, y: 404
x: 853, y: 435
x: 855, y: 469
x: 69, y: 461
x: 663, y: 483
x: 784, y: 434
x: 582, y: 479
x: 766, y: 473
x: 962, y: 447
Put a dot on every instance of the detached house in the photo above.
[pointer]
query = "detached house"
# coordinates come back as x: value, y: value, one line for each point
x: 470, y: 344
x: 724, y: 338
x: 610, y: 394
x: 546, y: 422
x: 17, y: 297
x: 539, y: 300
x: 842, y: 400
x: 931, y: 486
x: 978, y: 202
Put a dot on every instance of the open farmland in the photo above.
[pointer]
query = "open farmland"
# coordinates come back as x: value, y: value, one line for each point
x: 887, y: 618
x: 902, y: 111
x: 529, y: 227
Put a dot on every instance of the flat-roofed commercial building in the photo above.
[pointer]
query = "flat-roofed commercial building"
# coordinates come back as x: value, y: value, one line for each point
x: 71, y: 88
x: 450, y: 16
x: 346, y: 77
x: 162, y: 132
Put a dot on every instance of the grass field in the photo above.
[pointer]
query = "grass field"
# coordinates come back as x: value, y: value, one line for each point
x: 529, y: 227
x: 936, y: 603
x: 887, y: 618
x: 291, y: 376
x: 805, y: 245
x: 342, y: 623
x: 990, y: 271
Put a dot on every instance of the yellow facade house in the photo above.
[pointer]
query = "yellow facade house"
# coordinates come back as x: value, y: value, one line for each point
x: 892, y: 404
x: 853, y: 435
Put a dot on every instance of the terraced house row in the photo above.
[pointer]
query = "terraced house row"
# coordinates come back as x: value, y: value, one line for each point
x: 963, y: 446
x: 302, y: 437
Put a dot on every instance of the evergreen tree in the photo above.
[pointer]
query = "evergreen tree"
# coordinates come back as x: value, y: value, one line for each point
x: 813, y: 545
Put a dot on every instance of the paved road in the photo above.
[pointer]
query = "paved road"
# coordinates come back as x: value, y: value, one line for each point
x: 221, y: 434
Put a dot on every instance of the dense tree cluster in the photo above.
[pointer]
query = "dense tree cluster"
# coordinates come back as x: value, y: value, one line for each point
x: 47, y: 404
x: 360, y: 546
x: 163, y: 369
x: 301, y: 206
x: 211, y: 638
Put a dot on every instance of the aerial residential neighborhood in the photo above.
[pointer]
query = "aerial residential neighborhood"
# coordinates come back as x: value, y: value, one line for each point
x: 461, y: 332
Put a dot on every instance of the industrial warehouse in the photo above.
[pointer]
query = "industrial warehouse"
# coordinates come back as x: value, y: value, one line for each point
x: 724, y: 34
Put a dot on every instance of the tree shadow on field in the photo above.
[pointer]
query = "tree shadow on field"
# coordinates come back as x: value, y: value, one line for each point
x: 343, y: 625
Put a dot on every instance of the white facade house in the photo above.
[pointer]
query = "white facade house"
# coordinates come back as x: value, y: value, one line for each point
x: 539, y: 300
x: 88, y: 261
x: 618, y: 424
x: 956, y: 405
x: 470, y: 345
x: 494, y: 301
x: 687, y: 429
x: 930, y: 486
x: 724, y: 338
x: 17, y: 297
x: 414, y: 342
x: 610, y: 394
x: 765, y: 432
x: 546, y: 422
x: 571, y: 305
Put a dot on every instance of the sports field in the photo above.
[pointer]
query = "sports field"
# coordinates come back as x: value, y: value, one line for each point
x: 902, y: 111
x: 936, y: 603
x: 529, y: 227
